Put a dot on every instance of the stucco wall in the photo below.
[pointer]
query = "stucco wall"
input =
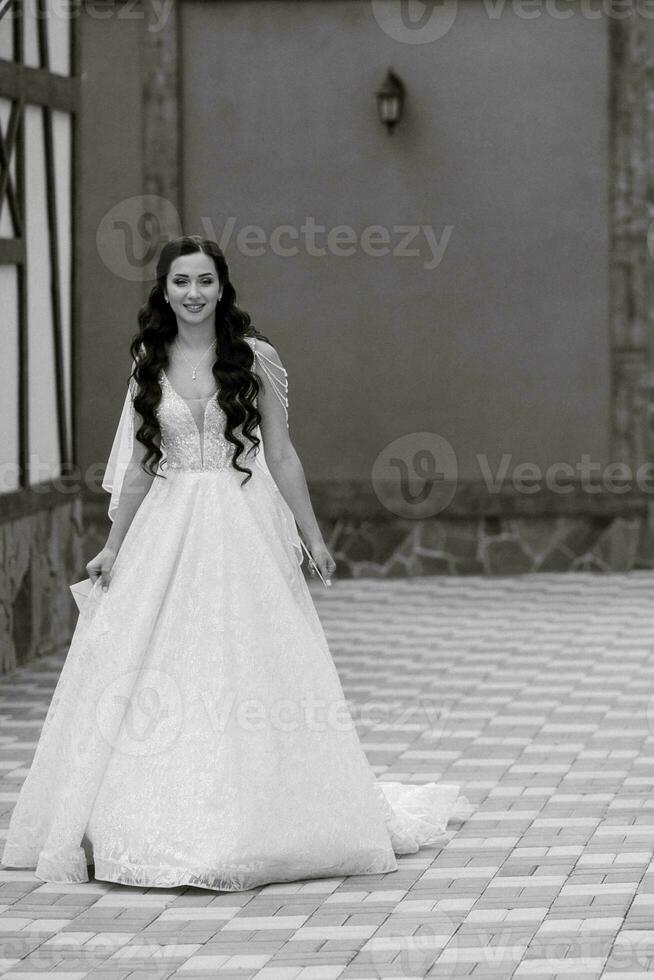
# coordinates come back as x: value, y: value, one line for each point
x: 503, y: 347
x: 111, y: 173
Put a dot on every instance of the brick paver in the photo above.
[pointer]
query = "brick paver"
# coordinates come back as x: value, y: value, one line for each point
x: 534, y: 693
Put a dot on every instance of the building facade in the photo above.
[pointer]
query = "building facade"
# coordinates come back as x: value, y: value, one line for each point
x: 463, y: 304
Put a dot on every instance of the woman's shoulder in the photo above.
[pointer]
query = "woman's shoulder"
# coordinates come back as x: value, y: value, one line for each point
x: 262, y: 347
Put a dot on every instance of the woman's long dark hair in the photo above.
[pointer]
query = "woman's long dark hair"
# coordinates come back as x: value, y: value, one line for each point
x: 237, y: 384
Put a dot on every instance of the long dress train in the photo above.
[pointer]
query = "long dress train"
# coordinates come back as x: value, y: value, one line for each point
x: 198, y: 733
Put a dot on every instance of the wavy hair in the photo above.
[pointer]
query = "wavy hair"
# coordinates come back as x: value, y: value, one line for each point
x: 238, y: 385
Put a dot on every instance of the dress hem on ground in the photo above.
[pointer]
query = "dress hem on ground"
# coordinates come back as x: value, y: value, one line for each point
x: 416, y: 816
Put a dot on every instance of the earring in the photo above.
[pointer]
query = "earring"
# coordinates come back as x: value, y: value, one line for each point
x: 166, y: 298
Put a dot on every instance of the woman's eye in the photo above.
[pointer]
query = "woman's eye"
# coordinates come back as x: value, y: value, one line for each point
x: 182, y: 282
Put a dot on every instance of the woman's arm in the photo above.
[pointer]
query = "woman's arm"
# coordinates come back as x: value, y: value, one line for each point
x: 135, y: 485
x: 284, y: 463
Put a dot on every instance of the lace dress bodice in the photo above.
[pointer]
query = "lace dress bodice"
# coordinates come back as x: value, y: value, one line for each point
x: 192, y: 431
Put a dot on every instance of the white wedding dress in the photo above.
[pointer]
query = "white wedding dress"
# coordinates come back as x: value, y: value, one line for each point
x: 198, y: 733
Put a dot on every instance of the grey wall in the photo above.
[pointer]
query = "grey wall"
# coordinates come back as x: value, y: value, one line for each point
x: 111, y: 135
x: 503, y: 348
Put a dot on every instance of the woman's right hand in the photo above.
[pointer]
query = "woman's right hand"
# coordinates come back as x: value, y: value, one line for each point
x: 100, y: 567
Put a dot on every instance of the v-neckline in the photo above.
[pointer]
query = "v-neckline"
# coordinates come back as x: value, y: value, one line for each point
x: 188, y: 409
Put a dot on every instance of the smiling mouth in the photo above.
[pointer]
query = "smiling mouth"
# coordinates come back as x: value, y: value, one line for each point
x: 194, y: 308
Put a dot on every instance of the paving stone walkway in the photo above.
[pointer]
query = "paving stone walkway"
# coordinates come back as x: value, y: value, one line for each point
x: 535, y: 693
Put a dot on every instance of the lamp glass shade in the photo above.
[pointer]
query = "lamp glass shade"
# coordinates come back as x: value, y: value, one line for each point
x: 390, y: 99
x: 389, y: 108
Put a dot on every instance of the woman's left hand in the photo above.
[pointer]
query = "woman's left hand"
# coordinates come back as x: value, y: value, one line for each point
x: 324, y: 561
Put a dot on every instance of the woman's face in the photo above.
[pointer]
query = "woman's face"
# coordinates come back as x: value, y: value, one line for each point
x: 192, y: 288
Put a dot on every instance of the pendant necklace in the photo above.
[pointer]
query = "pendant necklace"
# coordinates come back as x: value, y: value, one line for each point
x: 213, y: 344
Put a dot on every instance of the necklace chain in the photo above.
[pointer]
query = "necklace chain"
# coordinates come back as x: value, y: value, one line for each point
x: 194, y: 369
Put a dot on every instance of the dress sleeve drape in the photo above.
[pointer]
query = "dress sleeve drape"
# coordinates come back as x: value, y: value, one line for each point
x: 121, y: 450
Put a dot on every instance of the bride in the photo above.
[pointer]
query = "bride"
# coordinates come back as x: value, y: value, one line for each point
x: 198, y: 733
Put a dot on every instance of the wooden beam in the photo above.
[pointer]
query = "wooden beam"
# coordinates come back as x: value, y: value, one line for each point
x: 76, y: 237
x: 38, y: 86
x: 12, y: 251
x: 19, y: 33
x: 6, y: 183
x: 53, y: 241
x: 55, y: 291
x: 23, y: 340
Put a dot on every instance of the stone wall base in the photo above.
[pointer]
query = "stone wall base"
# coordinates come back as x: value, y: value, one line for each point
x: 368, y: 541
x: 491, y: 545
x: 41, y: 554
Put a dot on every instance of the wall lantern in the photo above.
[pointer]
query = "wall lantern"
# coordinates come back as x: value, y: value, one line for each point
x: 390, y: 100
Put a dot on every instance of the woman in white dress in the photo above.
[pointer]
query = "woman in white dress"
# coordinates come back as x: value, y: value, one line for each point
x: 198, y: 733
